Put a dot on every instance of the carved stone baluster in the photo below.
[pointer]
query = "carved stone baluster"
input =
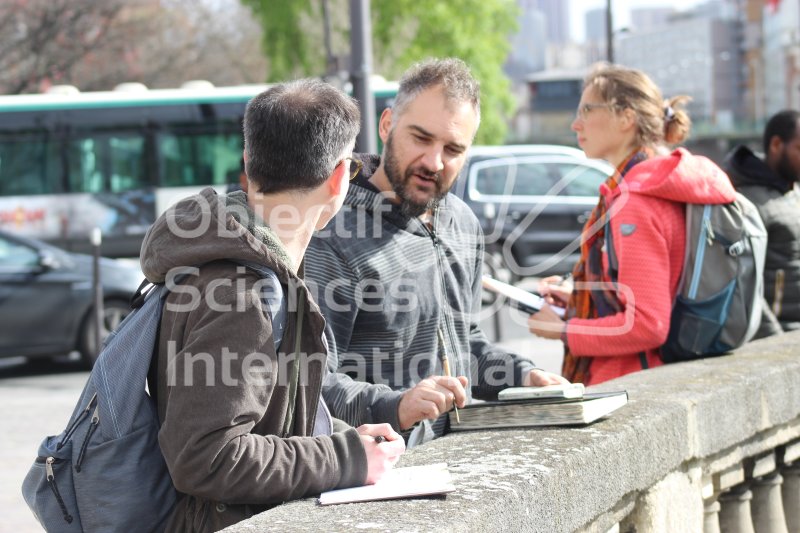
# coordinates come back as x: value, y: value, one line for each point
x: 789, y: 459
x: 734, y: 515
x: 791, y: 496
x: 767, y: 505
x: 711, y: 516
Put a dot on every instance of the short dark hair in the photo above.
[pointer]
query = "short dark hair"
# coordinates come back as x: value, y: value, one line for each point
x: 451, y: 73
x: 783, y: 124
x: 295, y: 132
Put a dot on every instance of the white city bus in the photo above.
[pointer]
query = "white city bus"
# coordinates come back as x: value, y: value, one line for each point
x: 116, y: 159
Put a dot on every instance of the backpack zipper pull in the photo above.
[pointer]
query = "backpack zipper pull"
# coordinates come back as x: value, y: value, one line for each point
x: 89, y: 432
x: 51, y: 480
x: 68, y: 432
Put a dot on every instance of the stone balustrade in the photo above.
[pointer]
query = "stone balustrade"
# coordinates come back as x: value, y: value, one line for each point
x: 707, y: 446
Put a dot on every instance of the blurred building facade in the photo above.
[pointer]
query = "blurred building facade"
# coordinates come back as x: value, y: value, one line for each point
x: 556, y: 12
x: 780, y: 56
x: 697, y: 54
x: 739, y: 60
x: 595, y: 24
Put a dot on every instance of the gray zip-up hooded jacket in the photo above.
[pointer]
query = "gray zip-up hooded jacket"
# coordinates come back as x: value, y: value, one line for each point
x: 778, y: 203
x: 229, y: 437
x: 386, y: 283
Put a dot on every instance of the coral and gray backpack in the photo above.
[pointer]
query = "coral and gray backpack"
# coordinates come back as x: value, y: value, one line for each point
x: 105, y: 471
x: 718, y: 305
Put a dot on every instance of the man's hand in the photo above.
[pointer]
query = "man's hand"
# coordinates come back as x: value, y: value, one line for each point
x: 430, y: 398
x: 382, y: 456
x: 540, y: 378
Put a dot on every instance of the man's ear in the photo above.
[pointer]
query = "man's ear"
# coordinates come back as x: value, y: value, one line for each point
x: 775, y: 146
x: 385, y: 124
x: 338, y: 179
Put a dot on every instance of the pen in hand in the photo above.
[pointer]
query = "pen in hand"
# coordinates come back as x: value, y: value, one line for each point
x: 446, y: 367
x: 379, y: 439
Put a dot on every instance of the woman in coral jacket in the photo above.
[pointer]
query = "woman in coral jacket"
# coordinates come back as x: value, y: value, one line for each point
x: 611, y: 329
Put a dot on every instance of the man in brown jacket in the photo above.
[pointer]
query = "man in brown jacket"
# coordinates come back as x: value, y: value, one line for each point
x: 242, y: 424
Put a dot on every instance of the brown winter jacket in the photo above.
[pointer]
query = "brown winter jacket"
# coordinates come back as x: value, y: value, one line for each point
x: 222, y: 434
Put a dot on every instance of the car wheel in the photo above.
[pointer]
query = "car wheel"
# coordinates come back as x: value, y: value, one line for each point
x: 114, y: 311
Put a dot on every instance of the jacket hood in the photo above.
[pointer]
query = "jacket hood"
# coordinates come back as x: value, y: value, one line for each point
x: 679, y: 177
x: 207, y: 227
x: 746, y: 169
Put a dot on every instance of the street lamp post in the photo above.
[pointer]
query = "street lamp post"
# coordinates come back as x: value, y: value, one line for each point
x: 360, y: 71
x: 609, y: 33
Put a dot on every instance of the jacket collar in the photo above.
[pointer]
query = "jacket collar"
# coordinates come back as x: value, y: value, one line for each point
x: 746, y: 168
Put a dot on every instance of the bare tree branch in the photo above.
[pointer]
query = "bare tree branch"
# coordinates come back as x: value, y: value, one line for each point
x: 98, y: 44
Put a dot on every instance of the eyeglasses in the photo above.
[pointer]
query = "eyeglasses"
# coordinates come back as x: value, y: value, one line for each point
x: 354, y: 166
x: 583, y: 110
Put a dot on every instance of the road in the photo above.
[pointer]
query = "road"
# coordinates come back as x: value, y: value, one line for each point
x: 38, y: 400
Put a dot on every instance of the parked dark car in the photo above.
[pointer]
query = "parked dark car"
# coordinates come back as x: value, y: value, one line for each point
x: 532, y: 202
x: 46, y: 298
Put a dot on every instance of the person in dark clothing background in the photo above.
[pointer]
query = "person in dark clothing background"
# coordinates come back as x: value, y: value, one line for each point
x: 769, y: 183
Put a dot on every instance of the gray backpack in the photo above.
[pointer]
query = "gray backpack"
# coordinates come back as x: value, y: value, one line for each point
x: 105, y: 471
x: 718, y: 306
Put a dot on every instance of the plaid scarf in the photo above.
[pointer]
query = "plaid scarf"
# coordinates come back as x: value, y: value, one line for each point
x: 602, y: 299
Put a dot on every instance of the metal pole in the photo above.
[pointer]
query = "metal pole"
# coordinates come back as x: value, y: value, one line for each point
x: 609, y: 33
x: 97, y: 289
x: 360, y: 71
x: 330, y: 60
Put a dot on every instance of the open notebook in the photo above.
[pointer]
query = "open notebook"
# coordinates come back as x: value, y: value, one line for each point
x: 533, y: 412
x: 408, y: 482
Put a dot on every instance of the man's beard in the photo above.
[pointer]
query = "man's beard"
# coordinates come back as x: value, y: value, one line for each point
x: 784, y: 169
x: 400, y: 180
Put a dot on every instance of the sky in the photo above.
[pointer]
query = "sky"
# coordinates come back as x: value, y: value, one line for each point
x: 620, y: 9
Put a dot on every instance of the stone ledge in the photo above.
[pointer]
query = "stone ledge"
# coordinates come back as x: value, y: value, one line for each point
x: 566, y: 479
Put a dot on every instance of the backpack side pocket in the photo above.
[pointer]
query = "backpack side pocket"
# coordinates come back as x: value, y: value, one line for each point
x: 48, y: 487
x: 696, y: 326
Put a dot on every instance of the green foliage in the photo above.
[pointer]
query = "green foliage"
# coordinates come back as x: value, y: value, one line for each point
x: 291, y: 51
x: 404, y: 32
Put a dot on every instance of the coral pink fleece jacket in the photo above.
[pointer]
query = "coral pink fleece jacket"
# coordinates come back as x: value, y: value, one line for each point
x: 648, y: 225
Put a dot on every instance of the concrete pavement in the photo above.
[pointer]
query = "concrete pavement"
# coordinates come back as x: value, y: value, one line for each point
x: 34, y: 405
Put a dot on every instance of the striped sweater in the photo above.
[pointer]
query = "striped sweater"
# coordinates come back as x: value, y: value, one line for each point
x: 386, y: 283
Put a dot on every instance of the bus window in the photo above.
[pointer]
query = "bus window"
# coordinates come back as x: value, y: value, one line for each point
x: 198, y: 159
x: 116, y: 160
x: 107, y: 163
x: 29, y: 165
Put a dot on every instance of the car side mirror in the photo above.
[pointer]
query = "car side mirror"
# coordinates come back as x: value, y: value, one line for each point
x: 48, y: 260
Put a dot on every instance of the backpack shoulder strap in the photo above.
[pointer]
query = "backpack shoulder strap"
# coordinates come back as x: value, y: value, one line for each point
x: 273, y: 297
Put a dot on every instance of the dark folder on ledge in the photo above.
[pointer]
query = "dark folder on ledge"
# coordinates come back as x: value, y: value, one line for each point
x: 538, y: 412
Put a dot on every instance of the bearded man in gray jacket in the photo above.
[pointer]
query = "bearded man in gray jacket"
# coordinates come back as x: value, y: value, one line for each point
x: 242, y: 425
x: 770, y: 183
x: 398, y: 272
